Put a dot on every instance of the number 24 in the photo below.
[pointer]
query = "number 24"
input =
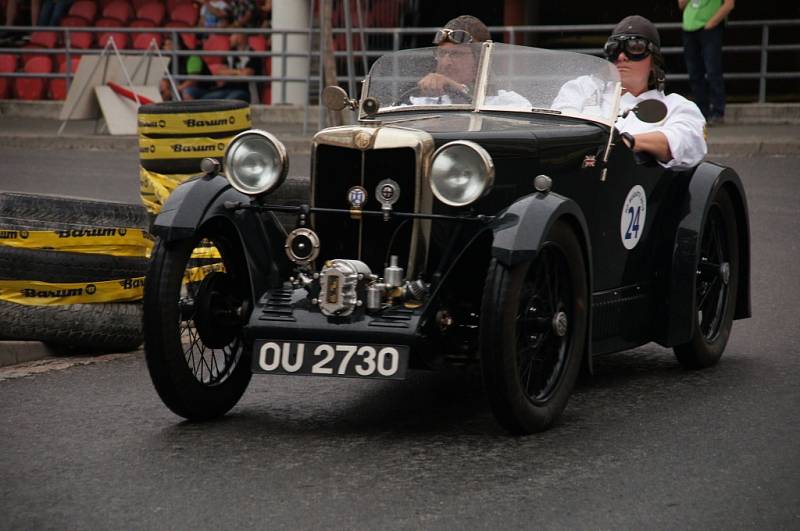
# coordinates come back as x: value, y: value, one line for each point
x: 633, y: 222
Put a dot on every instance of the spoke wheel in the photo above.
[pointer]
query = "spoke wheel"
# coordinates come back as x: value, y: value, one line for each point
x: 533, y: 328
x: 196, y: 303
x: 716, y: 281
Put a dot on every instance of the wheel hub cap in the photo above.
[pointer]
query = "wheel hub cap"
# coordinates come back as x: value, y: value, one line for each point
x: 725, y: 272
x: 560, y: 324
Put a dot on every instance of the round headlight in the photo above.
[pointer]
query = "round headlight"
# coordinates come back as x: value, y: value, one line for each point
x: 461, y: 173
x: 255, y: 162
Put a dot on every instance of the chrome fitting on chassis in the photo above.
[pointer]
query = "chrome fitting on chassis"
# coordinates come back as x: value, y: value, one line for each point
x: 345, y: 285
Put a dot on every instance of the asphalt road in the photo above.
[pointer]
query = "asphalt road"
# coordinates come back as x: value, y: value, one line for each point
x: 646, y: 444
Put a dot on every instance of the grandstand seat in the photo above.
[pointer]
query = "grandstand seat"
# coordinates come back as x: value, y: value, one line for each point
x: 188, y: 40
x: 137, y: 4
x: 78, y: 39
x: 122, y: 40
x: 8, y: 63
x: 105, y: 22
x: 216, y: 42
x: 45, y: 39
x: 120, y: 10
x: 184, y: 13
x: 34, y: 88
x: 172, y: 3
x: 58, y: 87
x: 30, y: 53
x: 152, y: 11
x: 258, y: 43
x: 84, y: 8
x: 142, y: 23
x: 142, y: 40
x: 76, y: 21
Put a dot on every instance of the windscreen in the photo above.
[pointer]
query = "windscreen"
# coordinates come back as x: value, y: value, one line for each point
x: 549, y: 80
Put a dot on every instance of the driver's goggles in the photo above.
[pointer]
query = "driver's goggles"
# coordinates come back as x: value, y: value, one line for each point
x: 450, y: 35
x: 635, y: 48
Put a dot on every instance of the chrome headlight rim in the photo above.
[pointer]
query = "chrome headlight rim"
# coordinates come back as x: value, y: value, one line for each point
x: 283, y: 160
x: 488, y: 171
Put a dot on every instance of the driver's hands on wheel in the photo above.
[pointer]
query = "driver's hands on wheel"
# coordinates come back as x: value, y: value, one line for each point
x: 437, y: 84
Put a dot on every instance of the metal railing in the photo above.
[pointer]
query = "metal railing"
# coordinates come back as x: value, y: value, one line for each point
x: 400, y: 38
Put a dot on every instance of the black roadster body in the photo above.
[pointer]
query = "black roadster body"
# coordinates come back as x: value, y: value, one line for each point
x: 486, y: 227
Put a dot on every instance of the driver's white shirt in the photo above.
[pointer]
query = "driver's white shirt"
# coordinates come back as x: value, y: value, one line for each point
x: 503, y: 98
x: 684, y: 125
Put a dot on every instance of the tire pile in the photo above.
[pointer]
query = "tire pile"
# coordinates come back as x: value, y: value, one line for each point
x: 72, y: 272
x: 175, y: 136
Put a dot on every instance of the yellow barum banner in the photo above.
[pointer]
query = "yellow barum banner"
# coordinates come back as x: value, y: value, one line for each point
x: 200, y: 123
x: 95, y: 240
x: 156, y: 187
x: 35, y: 293
x: 182, y: 148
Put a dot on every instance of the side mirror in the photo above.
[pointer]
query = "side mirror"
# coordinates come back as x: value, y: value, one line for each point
x: 649, y: 111
x: 335, y: 99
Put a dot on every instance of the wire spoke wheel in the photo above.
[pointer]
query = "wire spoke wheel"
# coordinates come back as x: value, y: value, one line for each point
x: 533, y: 329
x: 196, y: 305
x: 716, y: 282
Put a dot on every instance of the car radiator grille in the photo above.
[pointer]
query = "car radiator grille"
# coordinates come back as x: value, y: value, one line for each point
x: 337, y: 170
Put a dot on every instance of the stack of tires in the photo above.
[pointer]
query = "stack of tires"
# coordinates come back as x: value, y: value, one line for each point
x: 175, y: 136
x: 72, y: 272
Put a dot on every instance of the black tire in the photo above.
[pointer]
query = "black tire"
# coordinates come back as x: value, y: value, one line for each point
x: 110, y: 327
x: 189, y: 166
x: 716, y: 286
x: 197, y: 358
x: 42, y: 212
x: 521, y: 308
x: 190, y: 109
x: 58, y: 266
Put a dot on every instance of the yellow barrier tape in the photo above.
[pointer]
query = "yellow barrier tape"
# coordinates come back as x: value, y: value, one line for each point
x: 155, y: 188
x: 97, y: 240
x: 196, y: 274
x: 36, y: 293
x: 182, y: 148
x: 200, y: 122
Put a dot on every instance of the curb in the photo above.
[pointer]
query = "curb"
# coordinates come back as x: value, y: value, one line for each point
x: 14, y: 352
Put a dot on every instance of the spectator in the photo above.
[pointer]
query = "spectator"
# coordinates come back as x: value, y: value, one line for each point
x: 703, y: 24
x: 52, y: 11
x: 214, y: 13
x: 244, y: 14
x: 192, y: 65
x: 265, y: 13
x: 236, y: 65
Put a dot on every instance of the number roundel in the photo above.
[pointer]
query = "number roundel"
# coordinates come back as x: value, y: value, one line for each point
x: 634, y: 212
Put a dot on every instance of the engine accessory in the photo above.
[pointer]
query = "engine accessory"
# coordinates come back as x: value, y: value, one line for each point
x: 375, y: 296
x: 393, y: 274
x: 302, y: 246
x: 341, y: 282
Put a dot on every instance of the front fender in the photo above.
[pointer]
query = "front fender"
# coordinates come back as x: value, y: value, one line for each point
x: 200, y: 202
x: 707, y: 180
x: 522, y: 228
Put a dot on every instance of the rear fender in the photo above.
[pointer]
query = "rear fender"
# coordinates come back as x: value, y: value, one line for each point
x: 522, y: 228
x: 200, y: 202
x: 707, y: 180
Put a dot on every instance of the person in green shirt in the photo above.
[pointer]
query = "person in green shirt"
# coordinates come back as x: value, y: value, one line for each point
x: 703, y: 23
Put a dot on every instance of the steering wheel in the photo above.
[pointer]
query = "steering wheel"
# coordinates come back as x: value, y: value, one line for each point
x: 456, y: 96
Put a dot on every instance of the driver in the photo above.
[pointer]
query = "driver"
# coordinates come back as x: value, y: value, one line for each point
x: 678, y: 141
x: 457, y: 67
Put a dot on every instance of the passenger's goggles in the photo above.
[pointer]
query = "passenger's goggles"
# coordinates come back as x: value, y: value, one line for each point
x: 635, y: 48
x: 450, y: 35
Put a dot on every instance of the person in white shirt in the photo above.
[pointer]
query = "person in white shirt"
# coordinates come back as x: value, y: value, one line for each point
x: 457, y: 67
x: 678, y: 141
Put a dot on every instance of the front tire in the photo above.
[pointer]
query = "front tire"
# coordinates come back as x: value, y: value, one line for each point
x: 716, y: 284
x: 195, y: 305
x: 533, y: 329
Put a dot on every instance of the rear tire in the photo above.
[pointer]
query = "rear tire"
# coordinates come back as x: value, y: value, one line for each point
x: 194, y: 380
x: 716, y: 286
x: 533, y: 329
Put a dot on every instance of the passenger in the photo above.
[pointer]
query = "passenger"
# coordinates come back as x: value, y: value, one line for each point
x: 457, y: 67
x: 678, y: 141
x: 236, y: 65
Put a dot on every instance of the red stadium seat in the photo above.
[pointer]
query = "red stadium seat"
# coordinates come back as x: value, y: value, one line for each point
x: 34, y: 88
x: 30, y: 53
x: 172, y: 3
x: 75, y: 21
x: 120, y: 10
x: 143, y: 40
x: 142, y: 23
x: 8, y: 63
x: 188, y: 40
x: 45, y: 39
x: 137, y: 4
x: 185, y: 13
x: 106, y: 22
x: 258, y: 43
x: 122, y: 40
x: 58, y: 87
x: 152, y: 11
x: 216, y: 42
x: 84, y: 8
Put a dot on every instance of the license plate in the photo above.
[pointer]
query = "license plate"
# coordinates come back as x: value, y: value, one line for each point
x: 330, y: 359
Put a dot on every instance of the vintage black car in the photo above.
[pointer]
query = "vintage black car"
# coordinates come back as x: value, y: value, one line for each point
x: 485, y: 226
